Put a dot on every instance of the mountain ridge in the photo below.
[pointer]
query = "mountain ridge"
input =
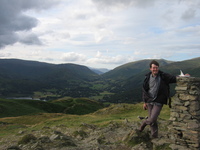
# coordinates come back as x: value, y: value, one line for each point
x: 129, y: 69
x: 122, y: 84
x: 22, y: 76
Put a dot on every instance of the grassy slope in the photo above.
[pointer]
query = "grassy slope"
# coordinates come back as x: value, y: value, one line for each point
x: 13, y: 108
x: 78, y: 106
x: 102, y: 117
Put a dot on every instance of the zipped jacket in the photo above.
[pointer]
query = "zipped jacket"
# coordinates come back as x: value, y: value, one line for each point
x: 163, y: 92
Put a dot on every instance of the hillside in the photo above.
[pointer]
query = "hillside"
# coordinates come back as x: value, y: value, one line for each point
x: 109, y: 129
x: 50, y: 81
x: 25, y: 77
x: 125, y: 71
x: 20, y: 107
x: 23, y: 69
x: 191, y: 66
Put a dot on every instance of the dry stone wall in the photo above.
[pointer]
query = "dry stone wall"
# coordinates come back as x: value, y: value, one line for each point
x: 185, y: 113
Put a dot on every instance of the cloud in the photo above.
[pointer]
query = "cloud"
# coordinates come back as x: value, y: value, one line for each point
x: 105, y: 59
x: 121, y: 4
x: 13, y: 19
x: 2, y: 55
x: 83, y: 31
x: 73, y: 57
x: 99, y: 58
x: 29, y: 39
x: 188, y: 14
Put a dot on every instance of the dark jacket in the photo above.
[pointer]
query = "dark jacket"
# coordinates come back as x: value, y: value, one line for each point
x: 163, y: 90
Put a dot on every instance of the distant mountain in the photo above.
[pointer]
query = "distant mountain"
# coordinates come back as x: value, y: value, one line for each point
x: 22, y: 76
x: 122, y: 84
x: 191, y: 66
x: 130, y: 69
x: 16, y: 68
x: 99, y: 70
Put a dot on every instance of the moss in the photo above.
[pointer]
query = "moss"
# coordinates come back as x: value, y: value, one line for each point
x: 80, y: 133
x: 101, y: 139
x: 162, y: 147
x: 136, y: 137
x: 26, y: 139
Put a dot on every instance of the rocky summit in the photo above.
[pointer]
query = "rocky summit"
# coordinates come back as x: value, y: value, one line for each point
x: 115, y: 136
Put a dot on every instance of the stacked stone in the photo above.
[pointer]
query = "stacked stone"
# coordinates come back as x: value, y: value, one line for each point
x: 185, y: 113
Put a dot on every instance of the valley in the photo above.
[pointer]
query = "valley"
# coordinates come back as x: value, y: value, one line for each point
x: 82, y: 109
x: 21, y: 78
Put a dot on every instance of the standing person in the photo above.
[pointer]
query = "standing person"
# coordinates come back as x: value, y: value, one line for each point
x: 155, y: 94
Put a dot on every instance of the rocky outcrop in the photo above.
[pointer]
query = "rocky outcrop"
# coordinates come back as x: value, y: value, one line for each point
x: 116, y: 136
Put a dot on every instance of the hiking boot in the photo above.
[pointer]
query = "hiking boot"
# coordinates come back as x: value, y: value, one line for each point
x: 141, y: 118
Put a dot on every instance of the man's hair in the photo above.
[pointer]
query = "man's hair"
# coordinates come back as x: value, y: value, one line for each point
x: 154, y: 62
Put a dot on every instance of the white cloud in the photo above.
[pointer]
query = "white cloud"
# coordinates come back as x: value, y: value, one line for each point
x: 4, y: 55
x: 117, y: 5
x: 73, y: 57
x: 105, y: 59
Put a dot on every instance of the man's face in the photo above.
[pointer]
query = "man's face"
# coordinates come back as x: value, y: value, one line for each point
x: 154, y: 69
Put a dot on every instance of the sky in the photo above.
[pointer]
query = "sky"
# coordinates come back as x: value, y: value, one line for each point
x: 99, y: 33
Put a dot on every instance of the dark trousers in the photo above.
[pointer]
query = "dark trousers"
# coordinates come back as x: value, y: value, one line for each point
x: 153, y: 113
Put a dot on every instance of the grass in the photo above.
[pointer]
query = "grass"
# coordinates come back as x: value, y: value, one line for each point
x: 20, y: 107
x: 13, y: 108
x: 78, y: 106
x: 102, y: 117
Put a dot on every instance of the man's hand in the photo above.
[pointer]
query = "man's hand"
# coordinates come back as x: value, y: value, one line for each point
x: 145, y: 106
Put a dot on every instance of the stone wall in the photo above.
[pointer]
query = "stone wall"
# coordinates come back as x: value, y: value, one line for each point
x: 185, y: 113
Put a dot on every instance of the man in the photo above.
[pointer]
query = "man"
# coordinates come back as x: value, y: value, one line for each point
x: 155, y: 94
